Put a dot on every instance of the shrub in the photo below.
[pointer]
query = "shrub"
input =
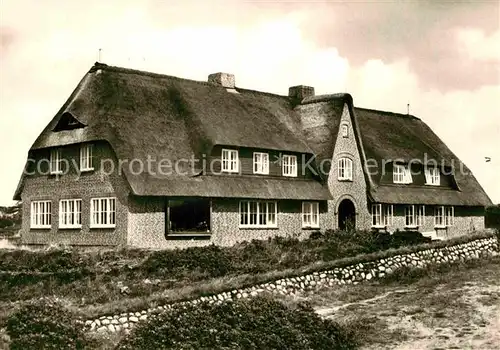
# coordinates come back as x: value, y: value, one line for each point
x: 400, y: 238
x: 492, y: 217
x: 44, y: 325
x: 257, y: 323
x: 315, y: 235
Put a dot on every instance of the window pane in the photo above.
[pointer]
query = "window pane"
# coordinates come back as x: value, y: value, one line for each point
x: 253, y: 213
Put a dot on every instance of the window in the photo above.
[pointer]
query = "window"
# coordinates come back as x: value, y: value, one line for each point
x: 443, y: 216
x: 258, y: 214
x: 230, y: 161
x: 449, y: 216
x: 41, y: 214
x: 432, y: 176
x: 344, y: 130
x: 388, y: 214
x: 345, y: 169
x: 70, y: 213
x: 310, y: 214
x: 260, y: 163
x: 86, y: 158
x: 401, y: 174
x: 289, y: 165
x: 377, y: 215
x: 382, y: 215
x: 439, y: 217
x: 414, y: 215
x: 188, y: 216
x: 103, y: 212
x: 420, y: 215
x: 410, y: 217
x: 55, y: 161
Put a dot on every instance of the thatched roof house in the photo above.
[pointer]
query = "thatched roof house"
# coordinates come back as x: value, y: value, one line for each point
x: 137, y: 118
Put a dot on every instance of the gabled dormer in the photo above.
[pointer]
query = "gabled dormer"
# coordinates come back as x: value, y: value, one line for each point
x: 68, y: 122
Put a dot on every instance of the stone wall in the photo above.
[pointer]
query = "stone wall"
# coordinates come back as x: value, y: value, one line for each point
x: 338, y: 275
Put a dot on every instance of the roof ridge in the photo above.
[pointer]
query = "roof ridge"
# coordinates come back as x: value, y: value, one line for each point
x: 387, y: 113
x: 104, y: 66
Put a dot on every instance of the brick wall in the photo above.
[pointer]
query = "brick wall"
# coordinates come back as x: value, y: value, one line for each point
x: 71, y: 186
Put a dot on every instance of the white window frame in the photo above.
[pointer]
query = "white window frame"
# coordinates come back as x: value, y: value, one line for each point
x: 252, y: 211
x: 401, y: 174
x: 410, y: 217
x: 416, y: 214
x: 439, y: 217
x: 86, y: 157
x: 449, y: 216
x: 261, y: 163
x: 388, y: 214
x: 70, y: 213
x: 310, y: 214
x: 230, y: 160
x: 376, y: 214
x: 382, y: 215
x: 344, y: 130
x: 41, y: 214
x: 55, y: 161
x: 289, y: 165
x: 432, y: 176
x: 97, y: 214
x: 344, y: 169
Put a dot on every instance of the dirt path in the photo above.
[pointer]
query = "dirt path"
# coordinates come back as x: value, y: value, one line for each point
x: 460, y: 310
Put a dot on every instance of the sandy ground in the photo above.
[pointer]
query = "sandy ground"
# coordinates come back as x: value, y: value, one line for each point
x: 458, y: 311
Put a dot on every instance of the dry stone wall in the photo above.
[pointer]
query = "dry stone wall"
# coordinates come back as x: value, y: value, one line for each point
x: 350, y: 274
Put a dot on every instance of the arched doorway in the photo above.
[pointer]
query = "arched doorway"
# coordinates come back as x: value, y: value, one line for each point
x: 347, y: 215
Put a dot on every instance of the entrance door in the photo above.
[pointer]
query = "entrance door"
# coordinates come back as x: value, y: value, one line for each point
x: 347, y: 215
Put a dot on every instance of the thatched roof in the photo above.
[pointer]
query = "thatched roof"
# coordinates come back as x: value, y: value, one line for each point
x: 220, y: 186
x: 392, y: 136
x: 143, y: 114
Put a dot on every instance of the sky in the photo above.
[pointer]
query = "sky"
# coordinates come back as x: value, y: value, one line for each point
x: 443, y: 58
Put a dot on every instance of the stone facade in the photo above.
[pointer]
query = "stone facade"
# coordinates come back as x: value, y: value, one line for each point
x: 355, y: 190
x: 338, y: 274
x: 146, y: 220
x: 466, y: 221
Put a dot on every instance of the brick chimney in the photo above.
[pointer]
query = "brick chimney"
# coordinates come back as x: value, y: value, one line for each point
x: 222, y: 79
x: 299, y: 92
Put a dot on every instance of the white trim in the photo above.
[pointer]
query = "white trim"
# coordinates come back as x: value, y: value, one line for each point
x: 247, y: 213
x: 388, y: 212
x: 401, y: 174
x: 344, y: 129
x: 310, y: 212
x: 447, y: 216
x: 86, y: 157
x: 260, y: 163
x: 376, y: 214
x: 344, y: 169
x: 230, y: 162
x: 420, y: 215
x: 382, y: 215
x: 55, y: 161
x: 432, y: 176
x: 289, y: 165
x: 41, y: 214
x: 70, y: 214
x: 109, y: 214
